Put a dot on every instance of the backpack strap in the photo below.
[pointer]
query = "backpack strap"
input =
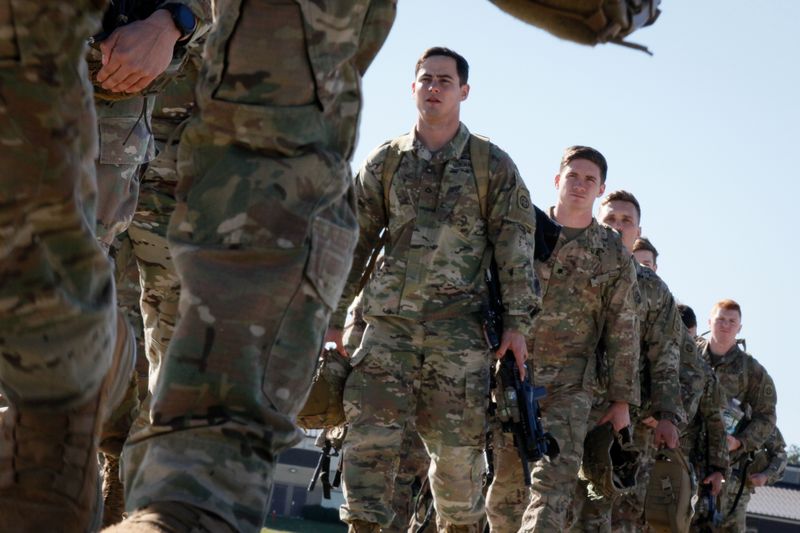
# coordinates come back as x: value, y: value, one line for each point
x: 479, y: 147
x: 390, y: 165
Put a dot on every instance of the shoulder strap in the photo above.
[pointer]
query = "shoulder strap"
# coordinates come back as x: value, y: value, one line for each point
x: 479, y: 155
x: 390, y: 164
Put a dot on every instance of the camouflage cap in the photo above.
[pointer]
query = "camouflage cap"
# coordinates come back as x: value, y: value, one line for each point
x: 610, y: 461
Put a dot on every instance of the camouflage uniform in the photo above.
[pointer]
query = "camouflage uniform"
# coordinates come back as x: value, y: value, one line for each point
x: 57, y: 305
x: 770, y: 459
x: 423, y: 358
x: 743, y: 378
x: 661, y: 332
x: 262, y: 238
x: 589, y: 295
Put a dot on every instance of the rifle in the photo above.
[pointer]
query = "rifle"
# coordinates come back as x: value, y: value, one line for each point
x: 323, y: 472
x: 516, y: 400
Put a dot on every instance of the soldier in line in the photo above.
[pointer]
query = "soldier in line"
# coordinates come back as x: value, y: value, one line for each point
x: 656, y: 419
x: 767, y: 467
x: 423, y: 358
x: 645, y: 253
x: 61, y: 369
x: 749, y: 392
x: 589, y: 295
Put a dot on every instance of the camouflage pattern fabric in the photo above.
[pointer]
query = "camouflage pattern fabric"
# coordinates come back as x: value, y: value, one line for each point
x: 412, y: 469
x: 57, y: 306
x: 433, y: 211
x: 435, y: 373
x: 703, y: 439
x: 589, y: 294
x: 742, y: 377
x: 661, y: 332
x: 773, y: 455
x: 262, y: 239
x: 126, y: 144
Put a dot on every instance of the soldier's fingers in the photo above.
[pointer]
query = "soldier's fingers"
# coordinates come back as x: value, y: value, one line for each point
x: 107, y: 47
x: 137, y: 85
x: 107, y: 71
x: 124, y: 85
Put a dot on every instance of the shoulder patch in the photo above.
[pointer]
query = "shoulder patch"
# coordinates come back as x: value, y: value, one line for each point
x: 523, y: 201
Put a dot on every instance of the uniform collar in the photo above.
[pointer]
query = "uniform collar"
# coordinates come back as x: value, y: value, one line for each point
x: 450, y: 151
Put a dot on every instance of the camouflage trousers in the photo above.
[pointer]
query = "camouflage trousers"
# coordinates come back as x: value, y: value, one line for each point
x: 126, y: 144
x: 508, y: 496
x: 57, y: 306
x: 432, y: 374
x: 411, y: 471
x: 624, y: 513
x: 566, y: 415
x: 262, y: 246
x: 736, y: 522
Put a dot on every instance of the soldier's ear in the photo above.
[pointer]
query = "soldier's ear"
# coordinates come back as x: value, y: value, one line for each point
x: 557, y: 180
x: 464, y: 91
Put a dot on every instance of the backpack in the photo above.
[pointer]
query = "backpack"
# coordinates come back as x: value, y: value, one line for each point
x: 671, y: 493
x: 587, y: 22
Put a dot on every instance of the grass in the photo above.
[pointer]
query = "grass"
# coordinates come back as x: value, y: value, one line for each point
x: 297, y: 525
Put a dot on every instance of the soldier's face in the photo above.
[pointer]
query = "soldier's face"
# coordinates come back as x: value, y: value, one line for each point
x: 725, y: 324
x: 622, y: 216
x: 436, y: 89
x: 645, y: 257
x: 579, y: 185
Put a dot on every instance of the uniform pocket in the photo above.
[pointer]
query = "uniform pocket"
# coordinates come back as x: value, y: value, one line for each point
x: 332, y: 246
x: 282, y: 77
x: 124, y: 141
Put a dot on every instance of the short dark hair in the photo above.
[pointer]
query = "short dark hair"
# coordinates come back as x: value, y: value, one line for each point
x: 643, y: 243
x: 623, y: 196
x: 585, y: 152
x: 687, y: 316
x: 462, y: 67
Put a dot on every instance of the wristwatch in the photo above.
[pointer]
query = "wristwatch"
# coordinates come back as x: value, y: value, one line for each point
x: 183, y: 18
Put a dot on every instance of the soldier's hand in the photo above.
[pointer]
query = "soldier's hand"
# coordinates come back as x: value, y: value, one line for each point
x: 334, y: 335
x: 135, y: 54
x: 733, y: 443
x: 758, y: 480
x: 667, y: 434
x: 715, y: 480
x: 514, y: 341
x: 618, y: 414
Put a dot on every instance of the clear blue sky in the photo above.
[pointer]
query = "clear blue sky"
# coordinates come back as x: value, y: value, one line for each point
x: 705, y: 133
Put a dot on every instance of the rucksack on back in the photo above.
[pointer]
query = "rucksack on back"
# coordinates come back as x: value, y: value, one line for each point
x: 588, y: 22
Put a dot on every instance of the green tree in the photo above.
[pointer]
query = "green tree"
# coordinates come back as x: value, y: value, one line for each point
x: 793, y: 454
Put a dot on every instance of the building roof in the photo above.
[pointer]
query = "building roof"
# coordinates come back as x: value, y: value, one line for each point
x: 775, y: 502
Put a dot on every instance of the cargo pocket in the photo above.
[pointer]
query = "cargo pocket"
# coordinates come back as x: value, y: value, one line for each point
x: 282, y: 77
x: 125, y: 140
x: 353, y: 395
x: 331, y: 255
x: 472, y: 429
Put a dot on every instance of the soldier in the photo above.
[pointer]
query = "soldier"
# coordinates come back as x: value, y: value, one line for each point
x: 423, y: 358
x: 767, y: 467
x: 263, y: 209
x: 749, y: 392
x: 645, y: 253
x: 589, y: 296
x: 703, y: 439
x: 656, y: 419
x: 61, y: 364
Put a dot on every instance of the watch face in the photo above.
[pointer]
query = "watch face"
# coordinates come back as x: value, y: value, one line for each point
x: 184, y: 19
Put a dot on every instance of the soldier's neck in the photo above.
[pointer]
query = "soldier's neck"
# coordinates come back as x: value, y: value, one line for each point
x: 571, y: 218
x: 434, y: 135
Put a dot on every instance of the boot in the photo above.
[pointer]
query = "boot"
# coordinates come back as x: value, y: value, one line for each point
x: 360, y: 526
x: 113, y: 492
x: 171, y: 517
x: 48, y: 458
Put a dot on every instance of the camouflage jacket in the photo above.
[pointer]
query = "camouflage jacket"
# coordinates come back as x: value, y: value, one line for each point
x: 743, y: 378
x: 438, y: 244
x: 661, y: 332
x: 304, y: 91
x: 771, y: 458
x: 704, y: 437
x: 589, y: 295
